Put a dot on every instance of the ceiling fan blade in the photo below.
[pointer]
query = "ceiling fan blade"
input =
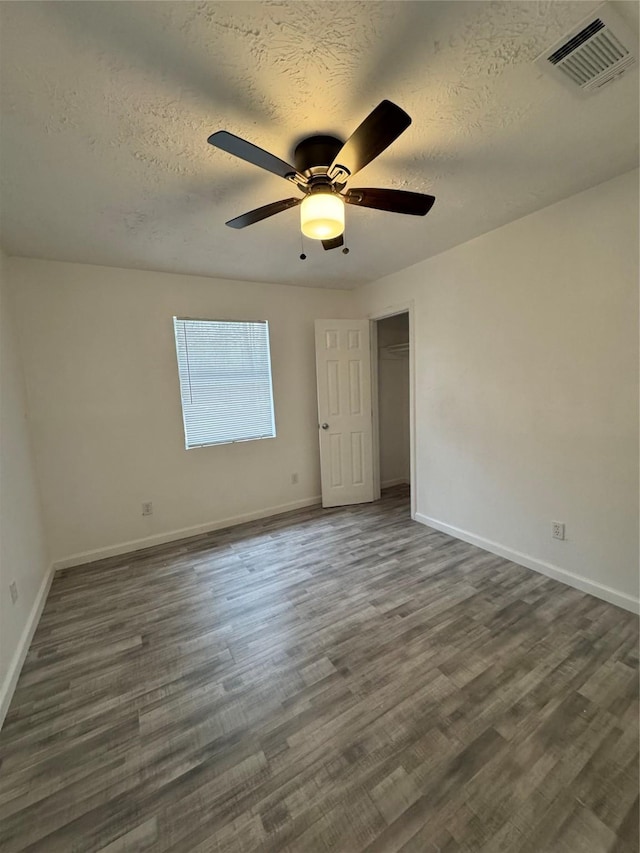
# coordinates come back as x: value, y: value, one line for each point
x: 251, y: 153
x: 334, y: 243
x: 263, y: 212
x: 395, y: 201
x: 380, y: 128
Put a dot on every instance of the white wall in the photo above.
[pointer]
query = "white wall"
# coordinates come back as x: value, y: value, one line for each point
x: 23, y: 553
x: 527, y: 387
x: 393, y: 401
x: 100, y: 367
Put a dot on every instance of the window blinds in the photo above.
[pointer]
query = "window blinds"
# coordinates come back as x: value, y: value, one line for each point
x: 225, y: 381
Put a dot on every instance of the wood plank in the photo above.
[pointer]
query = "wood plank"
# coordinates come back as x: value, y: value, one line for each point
x: 336, y: 680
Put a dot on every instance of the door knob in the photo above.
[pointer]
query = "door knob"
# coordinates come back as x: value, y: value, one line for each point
x: 325, y: 426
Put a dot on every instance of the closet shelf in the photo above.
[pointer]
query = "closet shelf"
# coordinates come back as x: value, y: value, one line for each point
x: 397, y: 349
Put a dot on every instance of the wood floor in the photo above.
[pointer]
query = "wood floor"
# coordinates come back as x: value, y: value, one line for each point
x: 333, y: 680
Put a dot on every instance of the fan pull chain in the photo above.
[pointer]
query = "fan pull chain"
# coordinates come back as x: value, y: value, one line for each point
x: 345, y: 250
x: 303, y: 257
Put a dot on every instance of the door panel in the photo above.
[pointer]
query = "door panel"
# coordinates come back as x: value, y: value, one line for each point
x: 343, y: 367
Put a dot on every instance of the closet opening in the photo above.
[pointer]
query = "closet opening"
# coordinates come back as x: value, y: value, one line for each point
x: 392, y: 407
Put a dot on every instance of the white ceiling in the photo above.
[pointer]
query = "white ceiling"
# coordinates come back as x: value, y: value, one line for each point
x: 106, y: 109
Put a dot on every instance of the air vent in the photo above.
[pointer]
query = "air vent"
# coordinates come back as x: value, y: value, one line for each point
x: 600, y: 49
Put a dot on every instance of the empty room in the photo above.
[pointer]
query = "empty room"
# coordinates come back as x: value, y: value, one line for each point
x: 319, y: 526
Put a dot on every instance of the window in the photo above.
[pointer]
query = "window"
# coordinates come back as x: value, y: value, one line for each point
x: 225, y: 381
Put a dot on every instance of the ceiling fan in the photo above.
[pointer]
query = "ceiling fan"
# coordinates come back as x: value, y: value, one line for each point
x: 323, y: 165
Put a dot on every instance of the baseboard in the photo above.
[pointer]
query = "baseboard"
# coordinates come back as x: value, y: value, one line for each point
x: 84, y: 557
x: 399, y: 481
x: 606, y: 593
x: 11, y: 679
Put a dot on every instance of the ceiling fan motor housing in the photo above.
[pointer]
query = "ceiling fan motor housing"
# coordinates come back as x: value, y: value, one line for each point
x: 314, y: 155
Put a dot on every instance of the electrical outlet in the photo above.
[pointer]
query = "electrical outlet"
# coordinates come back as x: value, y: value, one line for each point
x: 294, y: 479
x: 13, y: 589
x: 147, y: 508
x: 557, y: 530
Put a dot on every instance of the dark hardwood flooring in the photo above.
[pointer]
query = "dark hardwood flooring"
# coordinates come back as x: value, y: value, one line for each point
x: 330, y: 680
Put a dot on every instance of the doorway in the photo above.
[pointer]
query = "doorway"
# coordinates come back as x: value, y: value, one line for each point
x: 358, y: 362
x: 392, y: 445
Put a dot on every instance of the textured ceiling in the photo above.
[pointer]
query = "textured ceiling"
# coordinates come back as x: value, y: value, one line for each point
x: 106, y: 109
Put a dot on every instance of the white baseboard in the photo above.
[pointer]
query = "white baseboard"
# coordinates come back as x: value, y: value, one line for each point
x: 399, y: 481
x: 175, y: 535
x: 11, y: 679
x: 606, y: 593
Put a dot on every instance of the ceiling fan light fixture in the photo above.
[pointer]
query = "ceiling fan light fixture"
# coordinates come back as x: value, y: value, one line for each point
x: 323, y: 165
x: 322, y: 215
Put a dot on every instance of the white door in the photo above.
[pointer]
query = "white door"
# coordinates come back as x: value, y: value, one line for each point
x: 343, y: 367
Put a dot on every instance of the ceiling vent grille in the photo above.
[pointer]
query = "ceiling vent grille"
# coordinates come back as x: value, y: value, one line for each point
x: 600, y: 49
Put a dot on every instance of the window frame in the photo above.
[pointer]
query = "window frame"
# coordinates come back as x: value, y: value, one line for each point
x: 177, y: 319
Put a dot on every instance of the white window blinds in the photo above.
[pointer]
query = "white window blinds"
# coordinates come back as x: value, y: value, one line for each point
x: 225, y: 381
